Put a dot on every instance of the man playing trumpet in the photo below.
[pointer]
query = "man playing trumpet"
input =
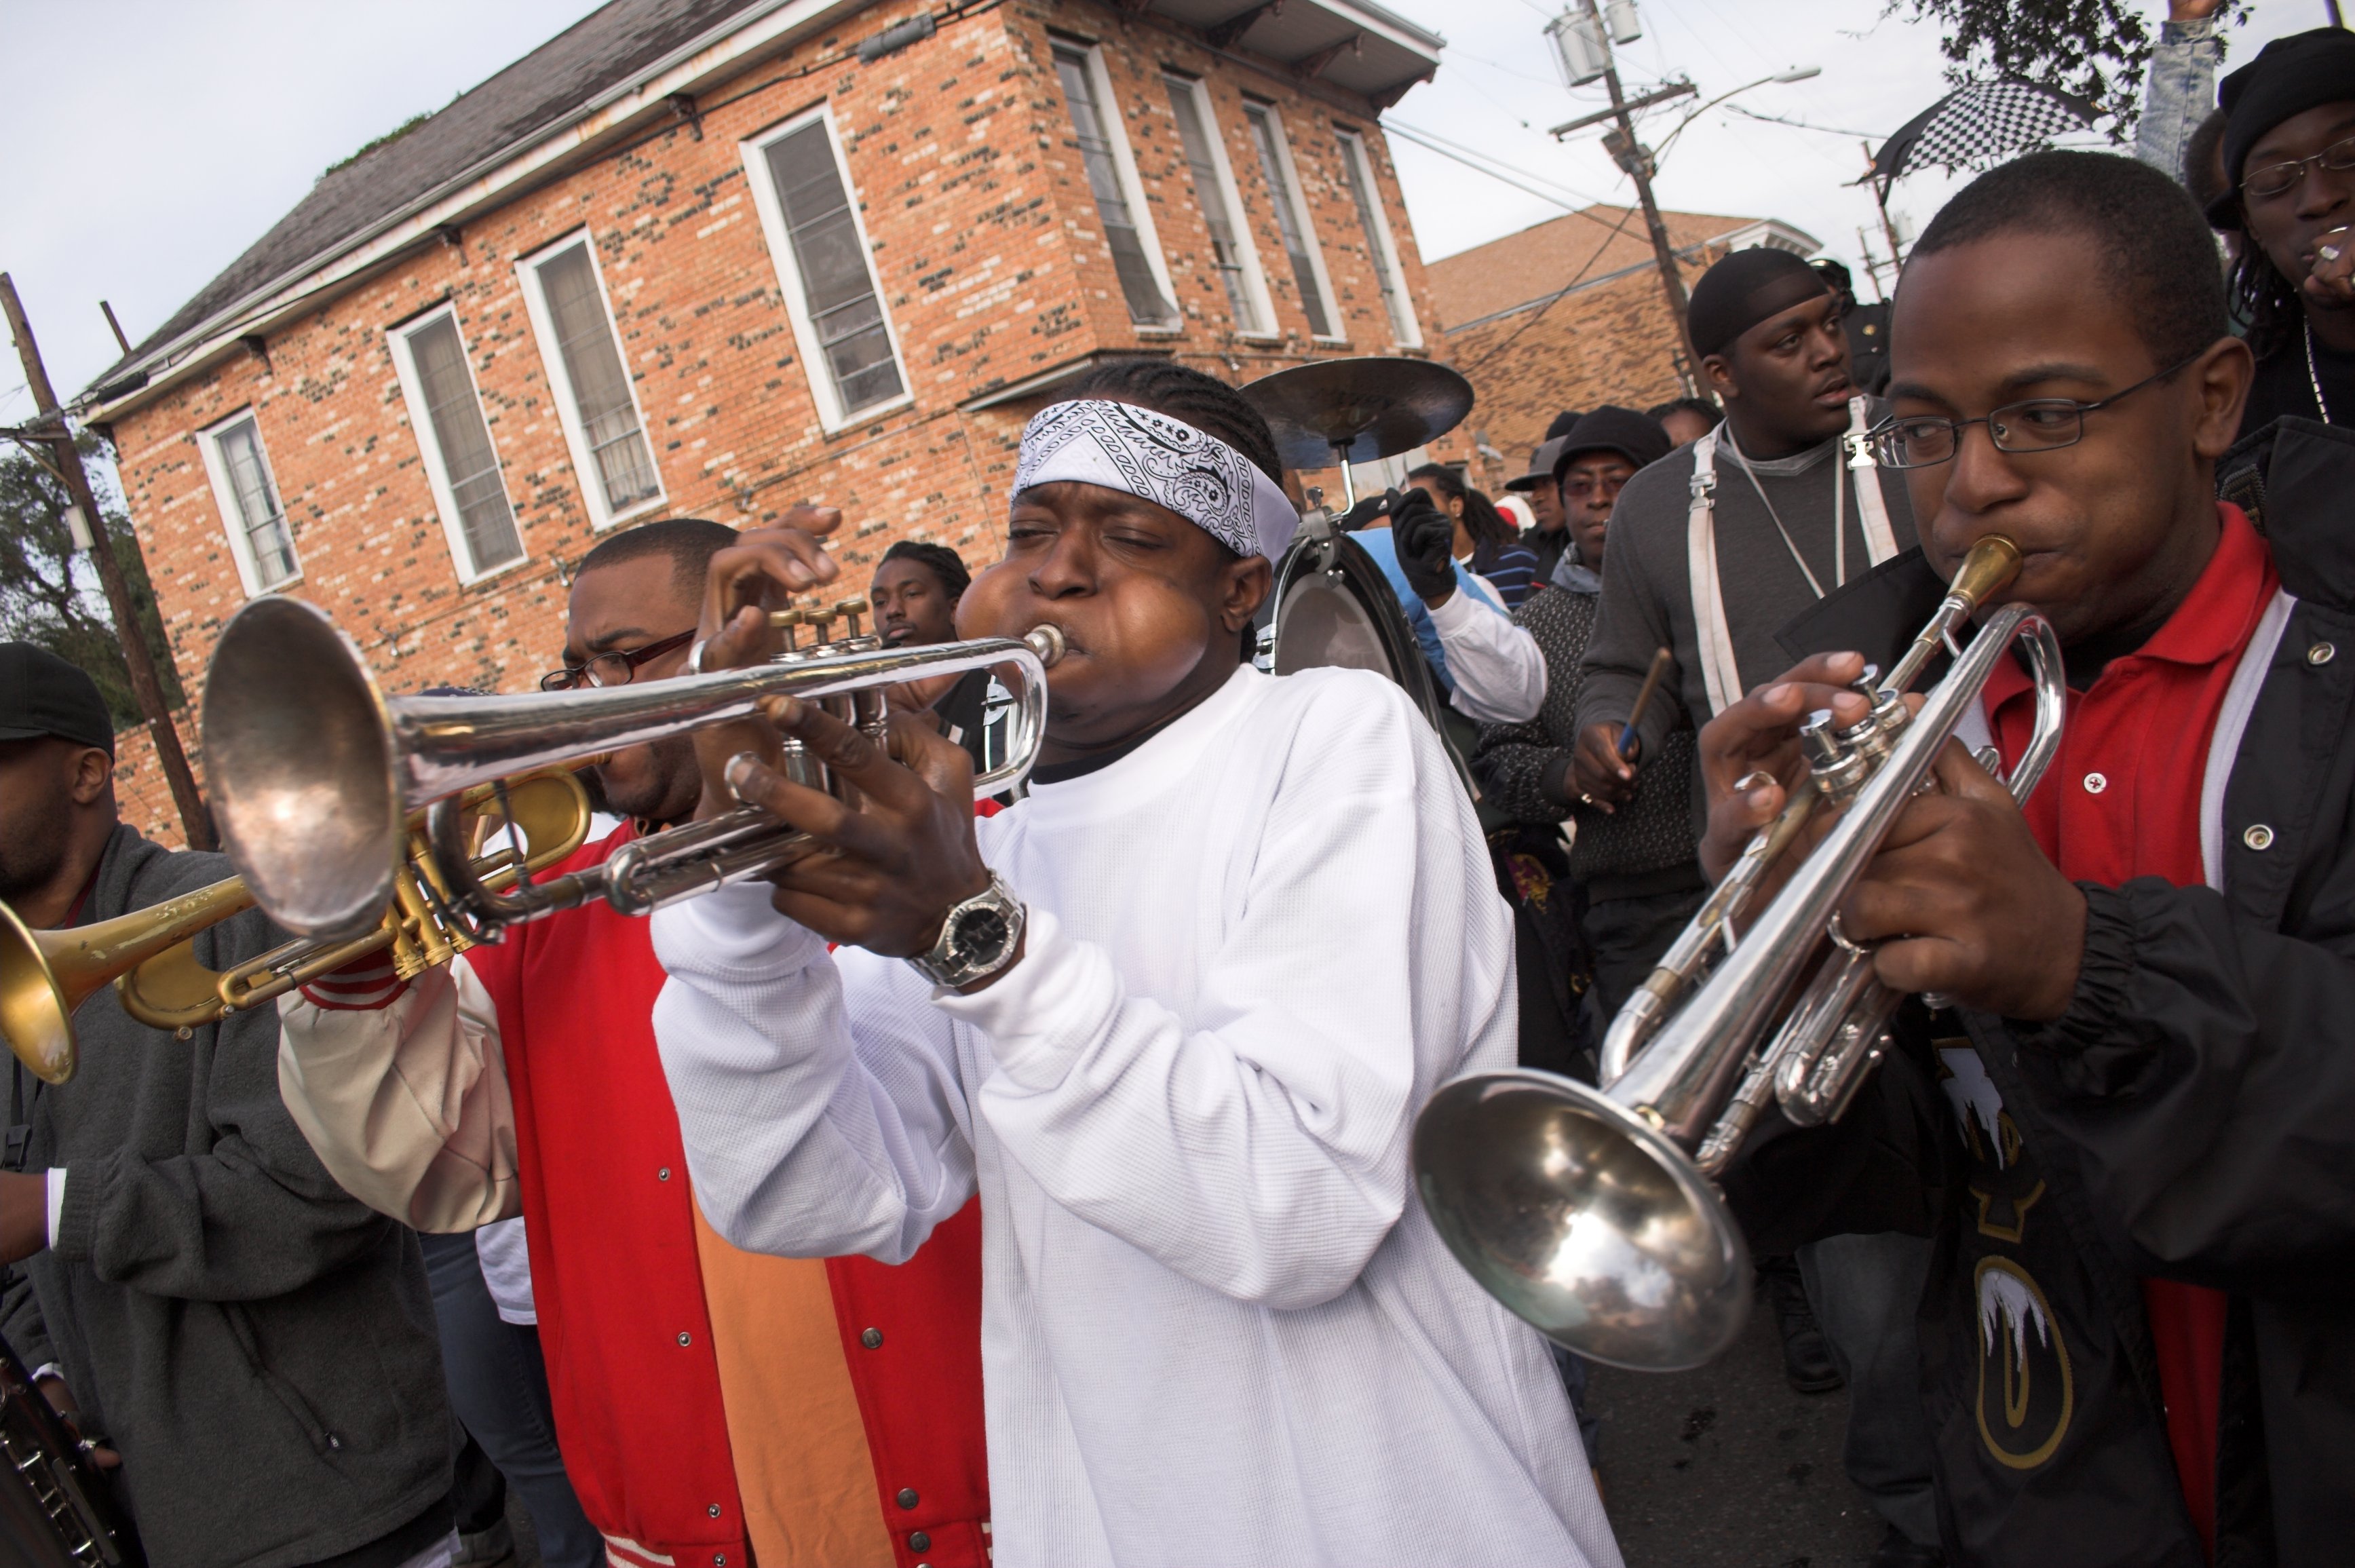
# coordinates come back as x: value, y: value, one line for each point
x: 1170, y: 1015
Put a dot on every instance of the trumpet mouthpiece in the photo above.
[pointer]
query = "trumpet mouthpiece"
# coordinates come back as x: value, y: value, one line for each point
x: 1047, y: 642
x: 1987, y: 569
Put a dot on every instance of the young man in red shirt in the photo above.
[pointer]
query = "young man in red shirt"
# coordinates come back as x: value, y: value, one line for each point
x: 2132, y: 1135
x: 822, y: 1413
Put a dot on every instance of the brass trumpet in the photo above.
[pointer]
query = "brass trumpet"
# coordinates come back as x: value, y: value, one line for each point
x: 315, y: 769
x: 150, y: 955
x: 1593, y: 1213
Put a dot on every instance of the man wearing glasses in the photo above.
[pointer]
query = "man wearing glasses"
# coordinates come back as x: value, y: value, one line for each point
x: 1712, y: 552
x: 712, y: 1406
x: 2129, y: 1130
x: 2290, y: 153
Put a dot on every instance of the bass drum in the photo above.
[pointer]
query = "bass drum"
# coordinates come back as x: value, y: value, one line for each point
x: 56, y: 1511
x: 1334, y: 609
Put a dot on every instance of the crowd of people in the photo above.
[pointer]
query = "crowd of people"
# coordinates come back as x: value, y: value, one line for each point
x: 1027, y: 1181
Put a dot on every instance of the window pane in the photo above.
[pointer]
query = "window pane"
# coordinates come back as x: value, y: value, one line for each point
x: 1362, y: 187
x: 1137, y: 285
x: 485, y: 520
x: 1287, y: 219
x: 838, y: 286
x: 258, y: 514
x: 1225, y: 255
x: 601, y: 390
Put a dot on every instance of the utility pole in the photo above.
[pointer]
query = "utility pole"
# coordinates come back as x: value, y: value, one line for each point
x: 1880, y: 205
x: 1637, y: 159
x: 193, y: 818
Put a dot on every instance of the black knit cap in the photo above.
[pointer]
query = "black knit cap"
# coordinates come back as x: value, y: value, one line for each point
x: 1638, y: 438
x: 2288, y: 76
x: 41, y: 694
x: 1743, y: 290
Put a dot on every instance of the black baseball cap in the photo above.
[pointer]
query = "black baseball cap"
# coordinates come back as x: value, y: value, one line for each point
x: 1540, y: 468
x: 1638, y: 438
x: 41, y: 694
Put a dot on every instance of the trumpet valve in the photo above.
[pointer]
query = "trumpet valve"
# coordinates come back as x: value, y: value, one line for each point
x: 1839, y: 766
x: 785, y: 621
x: 850, y: 610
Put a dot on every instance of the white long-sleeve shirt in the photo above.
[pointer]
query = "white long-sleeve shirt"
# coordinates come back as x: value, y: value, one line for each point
x: 1217, y: 1328
x: 1499, y: 670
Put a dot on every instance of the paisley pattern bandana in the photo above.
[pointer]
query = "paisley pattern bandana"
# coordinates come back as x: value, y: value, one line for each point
x: 1166, y: 461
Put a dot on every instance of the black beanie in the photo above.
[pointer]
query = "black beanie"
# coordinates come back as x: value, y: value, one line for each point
x: 1745, y: 289
x: 2288, y: 76
x: 1638, y: 438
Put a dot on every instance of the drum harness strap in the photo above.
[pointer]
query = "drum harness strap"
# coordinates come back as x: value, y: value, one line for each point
x: 1719, y: 673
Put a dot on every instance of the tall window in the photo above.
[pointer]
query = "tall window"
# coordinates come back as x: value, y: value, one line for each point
x: 600, y: 409
x: 821, y: 255
x: 1291, y: 217
x: 1112, y: 180
x: 447, y: 413
x: 1381, y: 252
x: 1213, y: 193
x: 258, y: 537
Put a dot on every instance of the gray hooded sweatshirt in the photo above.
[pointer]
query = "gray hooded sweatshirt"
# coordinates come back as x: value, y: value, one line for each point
x: 258, y: 1345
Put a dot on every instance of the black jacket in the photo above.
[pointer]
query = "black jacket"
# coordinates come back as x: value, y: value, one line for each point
x: 259, y: 1345
x: 2192, y: 1116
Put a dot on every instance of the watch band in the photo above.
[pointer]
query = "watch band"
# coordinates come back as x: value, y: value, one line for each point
x: 978, y: 937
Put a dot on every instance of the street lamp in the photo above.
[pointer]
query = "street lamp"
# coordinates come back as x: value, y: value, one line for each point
x: 1796, y: 73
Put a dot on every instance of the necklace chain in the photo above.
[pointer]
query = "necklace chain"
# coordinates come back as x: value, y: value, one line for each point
x: 2313, y: 380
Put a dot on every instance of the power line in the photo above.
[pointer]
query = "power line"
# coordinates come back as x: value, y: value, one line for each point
x: 1466, y: 155
x: 1553, y: 299
x: 1802, y: 124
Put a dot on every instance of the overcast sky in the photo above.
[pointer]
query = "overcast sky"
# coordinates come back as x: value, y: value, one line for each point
x: 151, y: 141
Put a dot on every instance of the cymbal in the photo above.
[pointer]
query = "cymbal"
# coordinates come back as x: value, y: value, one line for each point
x: 1373, y: 407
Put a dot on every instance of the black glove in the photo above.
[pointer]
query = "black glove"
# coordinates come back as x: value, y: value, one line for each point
x: 1425, y: 538
x: 1367, y: 513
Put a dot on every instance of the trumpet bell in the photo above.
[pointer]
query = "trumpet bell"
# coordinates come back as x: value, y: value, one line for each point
x: 1584, y: 1220
x: 36, y: 1013
x: 311, y: 812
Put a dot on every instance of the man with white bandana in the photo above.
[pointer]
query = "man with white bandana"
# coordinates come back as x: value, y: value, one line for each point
x: 1171, y: 1016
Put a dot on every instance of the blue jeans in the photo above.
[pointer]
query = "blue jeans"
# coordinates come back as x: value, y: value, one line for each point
x: 499, y: 1386
x: 1866, y: 1291
x: 2178, y: 92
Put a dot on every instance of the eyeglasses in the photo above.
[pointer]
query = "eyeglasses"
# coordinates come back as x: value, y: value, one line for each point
x: 2037, y: 424
x: 2280, y: 179
x: 616, y: 669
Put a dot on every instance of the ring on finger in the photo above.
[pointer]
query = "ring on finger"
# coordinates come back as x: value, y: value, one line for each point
x: 1758, y: 778
x: 735, y: 771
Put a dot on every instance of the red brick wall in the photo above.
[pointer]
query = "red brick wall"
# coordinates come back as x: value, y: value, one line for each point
x: 988, y: 250
x: 142, y: 798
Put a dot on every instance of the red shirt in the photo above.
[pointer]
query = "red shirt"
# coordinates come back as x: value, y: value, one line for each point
x: 2120, y: 801
x: 619, y: 1286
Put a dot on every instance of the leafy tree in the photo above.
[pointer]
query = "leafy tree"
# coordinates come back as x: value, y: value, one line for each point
x: 2096, y: 49
x: 49, y: 594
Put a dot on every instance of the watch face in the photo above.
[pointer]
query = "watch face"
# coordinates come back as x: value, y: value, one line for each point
x: 980, y: 933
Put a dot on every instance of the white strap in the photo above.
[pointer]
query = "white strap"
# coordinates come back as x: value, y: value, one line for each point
x: 1872, y: 507
x: 1719, y: 673
x: 2232, y: 723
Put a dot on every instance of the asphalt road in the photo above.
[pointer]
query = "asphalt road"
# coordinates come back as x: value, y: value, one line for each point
x: 1726, y: 1467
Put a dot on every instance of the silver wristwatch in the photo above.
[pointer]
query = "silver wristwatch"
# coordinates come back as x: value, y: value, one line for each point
x: 979, y: 937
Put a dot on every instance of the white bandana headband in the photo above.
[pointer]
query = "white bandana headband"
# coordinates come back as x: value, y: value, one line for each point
x: 1165, y: 461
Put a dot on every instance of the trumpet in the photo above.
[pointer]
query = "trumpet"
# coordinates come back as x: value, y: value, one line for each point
x: 150, y: 955
x: 1593, y: 1214
x: 315, y: 769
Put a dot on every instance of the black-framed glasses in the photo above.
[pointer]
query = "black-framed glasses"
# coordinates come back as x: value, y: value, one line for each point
x: 2034, y: 424
x: 616, y: 669
x: 2280, y: 179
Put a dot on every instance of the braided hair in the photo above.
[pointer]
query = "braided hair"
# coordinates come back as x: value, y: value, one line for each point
x: 1207, y: 403
x: 941, y: 561
x: 1490, y: 529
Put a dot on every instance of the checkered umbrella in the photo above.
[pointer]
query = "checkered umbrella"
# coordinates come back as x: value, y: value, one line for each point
x: 1979, y: 126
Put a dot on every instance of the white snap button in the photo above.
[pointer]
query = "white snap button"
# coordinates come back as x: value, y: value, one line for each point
x: 2095, y: 784
x: 2320, y: 654
x: 2258, y: 836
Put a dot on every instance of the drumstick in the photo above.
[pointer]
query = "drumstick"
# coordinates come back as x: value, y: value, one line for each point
x: 1660, y: 663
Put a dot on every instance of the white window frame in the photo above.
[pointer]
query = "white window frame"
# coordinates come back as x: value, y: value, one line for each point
x: 831, y: 417
x: 1354, y: 149
x: 560, y: 385
x: 240, y: 546
x: 1132, y: 186
x: 1254, y: 277
x: 429, y: 444
x: 1307, y: 226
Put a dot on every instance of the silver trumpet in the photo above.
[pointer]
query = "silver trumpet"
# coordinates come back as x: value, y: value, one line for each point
x: 1593, y: 1213
x: 316, y: 771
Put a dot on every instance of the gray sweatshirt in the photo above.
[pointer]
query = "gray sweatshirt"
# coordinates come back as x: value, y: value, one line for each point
x: 1646, y: 587
x: 260, y: 1346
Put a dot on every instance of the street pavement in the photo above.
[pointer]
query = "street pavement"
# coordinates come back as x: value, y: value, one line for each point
x: 1726, y: 1467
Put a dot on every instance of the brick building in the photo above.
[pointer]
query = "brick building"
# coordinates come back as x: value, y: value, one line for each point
x: 1568, y: 314
x: 712, y: 257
